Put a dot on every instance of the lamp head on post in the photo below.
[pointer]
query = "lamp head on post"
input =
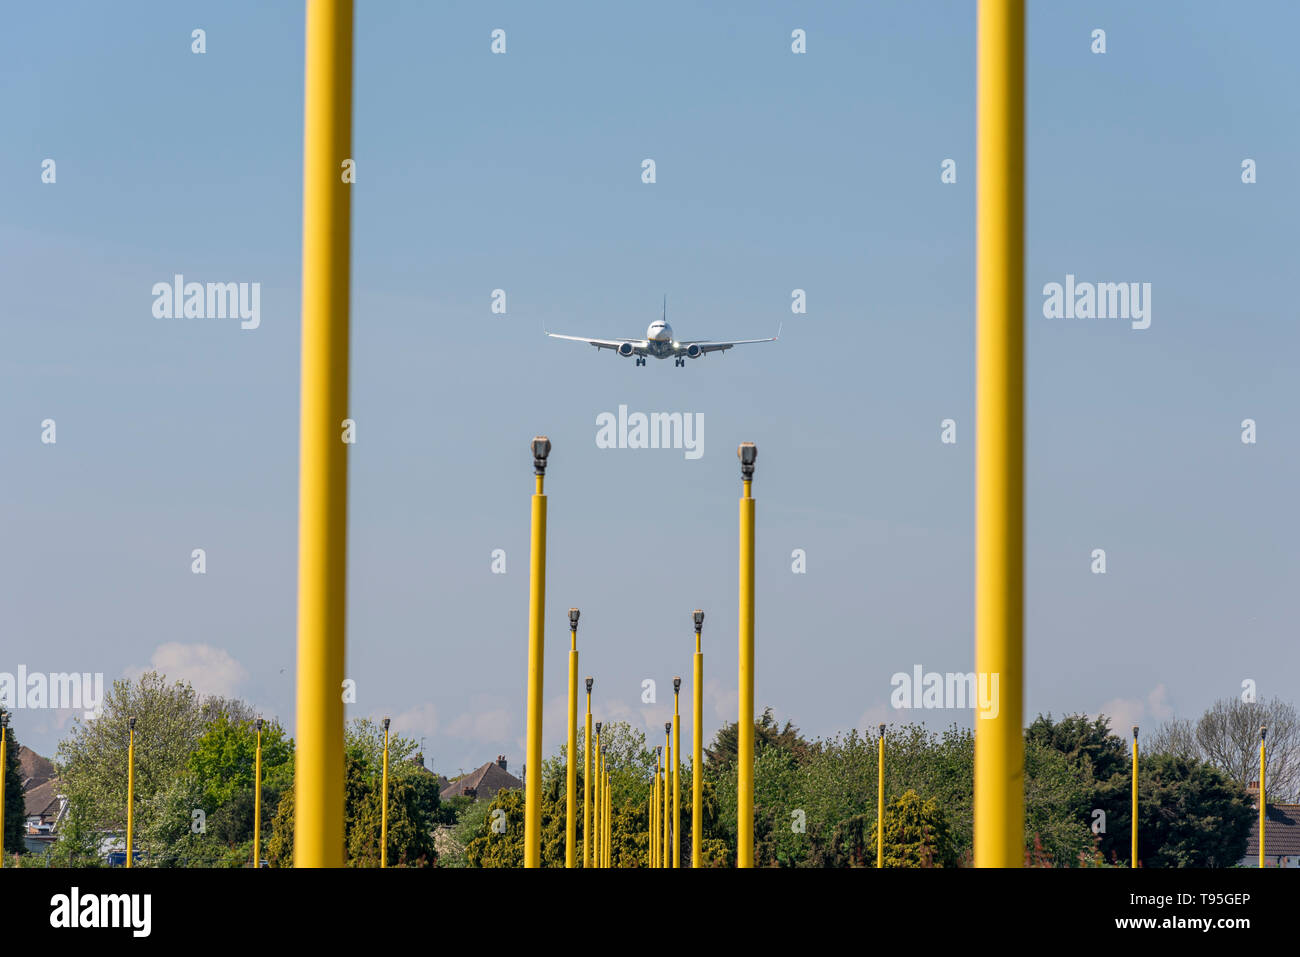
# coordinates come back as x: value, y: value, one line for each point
x: 1135, y: 732
x: 257, y: 725
x: 541, y: 446
x: 748, y: 454
x: 668, y: 727
x: 589, y: 684
x: 677, y: 685
x: 4, y: 718
x: 386, y: 725
x: 882, y: 732
x: 573, y: 619
x: 598, y: 727
x: 130, y: 724
x: 699, y: 620
x: 1262, y: 731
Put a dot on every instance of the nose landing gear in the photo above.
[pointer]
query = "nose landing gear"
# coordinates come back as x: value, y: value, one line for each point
x: 640, y: 360
x: 681, y: 362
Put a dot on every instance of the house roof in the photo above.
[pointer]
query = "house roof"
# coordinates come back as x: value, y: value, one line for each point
x: 35, y: 769
x: 42, y: 800
x: 1281, y: 832
x: 483, y: 782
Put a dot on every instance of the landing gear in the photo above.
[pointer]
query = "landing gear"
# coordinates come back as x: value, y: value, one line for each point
x: 640, y: 360
x: 681, y: 362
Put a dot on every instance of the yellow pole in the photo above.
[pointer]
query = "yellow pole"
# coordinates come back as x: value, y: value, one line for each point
x: 571, y: 797
x: 880, y: 799
x: 609, y: 823
x: 745, y: 727
x: 650, y: 818
x: 257, y: 799
x: 669, y: 755
x: 659, y: 808
x: 1262, y: 733
x: 598, y: 815
x: 323, y: 475
x: 604, y: 812
x: 654, y: 837
x: 4, y: 782
x: 999, y: 430
x: 1134, y: 840
x: 697, y: 751
x: 383, y: 812
x: 587, y: 845
x: 536, y: 660
x: 130, y: 786
x: 677, y: 775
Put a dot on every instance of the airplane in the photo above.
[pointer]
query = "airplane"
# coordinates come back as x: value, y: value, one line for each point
x: 659, y: 342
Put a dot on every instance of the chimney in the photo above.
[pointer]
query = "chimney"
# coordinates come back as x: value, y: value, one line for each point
x: 501, y: 761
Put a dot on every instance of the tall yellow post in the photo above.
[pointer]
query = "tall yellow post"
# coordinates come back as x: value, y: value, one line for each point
x: 1262, y: 733
x: 650, y: 829
x: 880, y: 799
x: 747, y: 453
x: 609, y: 822
x: 654, y: 835
x: 677, y: 775
x: 587, y: 844
x: 597, y: 815
x: 999, y: 430
x: 1133, y: 861
x: 322, y: 456
x: 571, y: 796
x: 130, y: 786
x: 257, y: 798
x: 4, y: 777
x: 669, y: 757
x: 383, y: 806
x: 604, y: 812
x: 697, y: 751
x: 541, y: 446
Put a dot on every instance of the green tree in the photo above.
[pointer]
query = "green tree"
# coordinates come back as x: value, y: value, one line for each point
x: 500, y: 841
x: 93, y: 758
x: 1190, y: 814
x: 916, y: 834
x: 413, y: 803
x: 767, y: 733
x: 11, y: 841
x: 1060, y: 793
x: 1088, y: 743
x: 225, y: 758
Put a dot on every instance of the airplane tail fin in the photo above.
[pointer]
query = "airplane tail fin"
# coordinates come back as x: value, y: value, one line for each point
x: 665, y: 317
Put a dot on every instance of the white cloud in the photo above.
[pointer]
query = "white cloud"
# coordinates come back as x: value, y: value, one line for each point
x: 210, y: 671
x: 420, y: 721
x: 871, y: 720
x: 1126, y: 712
x: 726, y: 704
x: 487, y: 726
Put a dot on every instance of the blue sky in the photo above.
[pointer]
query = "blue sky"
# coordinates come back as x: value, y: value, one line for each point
x: 775, y: 171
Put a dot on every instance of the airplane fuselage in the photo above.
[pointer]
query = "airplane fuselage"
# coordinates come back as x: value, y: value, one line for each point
x: 659, y: 340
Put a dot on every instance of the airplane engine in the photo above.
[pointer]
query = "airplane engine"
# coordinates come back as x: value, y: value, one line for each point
x: 693, y: 351
x: 625, y: 349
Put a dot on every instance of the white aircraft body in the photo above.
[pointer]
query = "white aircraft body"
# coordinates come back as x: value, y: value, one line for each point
x: 660, y: 344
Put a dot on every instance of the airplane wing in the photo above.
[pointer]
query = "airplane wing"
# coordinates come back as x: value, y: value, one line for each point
x: 706, y: 347
x: 638, y: 345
